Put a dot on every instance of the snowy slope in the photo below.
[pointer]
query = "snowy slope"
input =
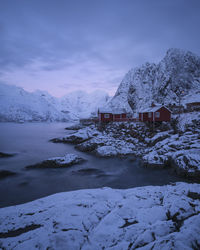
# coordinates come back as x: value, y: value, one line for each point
x: 175, y: 79
x: 16, y: 104
x: 83, y: 104
x: 153, y: 217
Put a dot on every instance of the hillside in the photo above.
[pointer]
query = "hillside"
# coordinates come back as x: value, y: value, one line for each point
x: 16, y: 104
x: 174, y: 80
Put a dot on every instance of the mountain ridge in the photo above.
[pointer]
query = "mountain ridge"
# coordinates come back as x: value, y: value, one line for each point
x: 172, y: 81
x: 16, y: 104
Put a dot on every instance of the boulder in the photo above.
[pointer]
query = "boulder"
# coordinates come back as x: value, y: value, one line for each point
x: 106, y: 151
x: 4, y: 155
x: 58, y: 162
x: 6, y: 173
x: 88, y: 146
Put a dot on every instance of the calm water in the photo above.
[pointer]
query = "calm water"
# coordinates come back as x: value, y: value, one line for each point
x: 30, y: 143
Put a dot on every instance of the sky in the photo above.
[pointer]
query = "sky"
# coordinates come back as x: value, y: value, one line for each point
x: 65, y: 45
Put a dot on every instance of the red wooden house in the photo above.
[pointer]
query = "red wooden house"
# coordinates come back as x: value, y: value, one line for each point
x: 105, y: 115
x: 110, y: 116
x: 155, y: 114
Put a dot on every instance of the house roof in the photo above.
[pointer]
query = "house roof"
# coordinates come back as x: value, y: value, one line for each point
x: 105, y: 110
x: 193, y: 103
x: 152, y: 109
x: 110, y: 111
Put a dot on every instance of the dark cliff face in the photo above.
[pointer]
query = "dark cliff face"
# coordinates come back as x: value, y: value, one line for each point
x: 170, y: 81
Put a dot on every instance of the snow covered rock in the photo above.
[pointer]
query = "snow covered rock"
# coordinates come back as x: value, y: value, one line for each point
x: 77, y: 137
x: 106, y: 151
x: 153, y: 217
x: 187, y: 163
x: 189, y: 122
x: 58, y: 162
x: 182, y: 152
x: 90, y: 145
x: 107, y: 143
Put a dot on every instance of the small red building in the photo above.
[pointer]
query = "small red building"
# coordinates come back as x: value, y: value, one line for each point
x: 110, y: 116
x: 155, y: 114
x: 193, y: 106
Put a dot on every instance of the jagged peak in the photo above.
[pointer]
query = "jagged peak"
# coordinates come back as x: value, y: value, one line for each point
x: 179, y: 69
x: 175, y: 52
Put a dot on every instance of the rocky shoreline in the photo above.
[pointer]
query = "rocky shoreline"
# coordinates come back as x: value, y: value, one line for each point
x: 152, y: 217
x: 162, y: 146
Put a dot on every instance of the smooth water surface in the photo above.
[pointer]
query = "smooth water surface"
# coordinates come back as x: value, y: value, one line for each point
x: 30, y: 143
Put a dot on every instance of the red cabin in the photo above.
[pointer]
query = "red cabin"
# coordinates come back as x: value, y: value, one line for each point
x: 155, y: 114
x: 109, y: 116
x: 105, y: 116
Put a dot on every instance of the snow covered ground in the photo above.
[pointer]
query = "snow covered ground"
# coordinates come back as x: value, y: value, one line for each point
x: 152, y: 217
x: 16, y: 104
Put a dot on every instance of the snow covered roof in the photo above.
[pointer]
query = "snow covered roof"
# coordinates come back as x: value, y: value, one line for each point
x: 105, y: 110
x: 152, y: 109
x: 193, y: 103
x: 111, y: 111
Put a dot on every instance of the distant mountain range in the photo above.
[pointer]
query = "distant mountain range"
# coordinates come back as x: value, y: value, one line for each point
x: 174, y: 80
x: 16, y: 104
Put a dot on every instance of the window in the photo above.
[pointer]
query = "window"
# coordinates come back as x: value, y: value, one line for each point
x: 149, y: 114
x: 157, y: 114
x: 106, y: 116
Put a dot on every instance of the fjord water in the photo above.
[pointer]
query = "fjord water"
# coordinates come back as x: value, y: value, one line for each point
x: 30, y: 144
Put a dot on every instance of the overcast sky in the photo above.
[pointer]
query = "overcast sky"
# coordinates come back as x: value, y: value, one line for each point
x: 66, y: 45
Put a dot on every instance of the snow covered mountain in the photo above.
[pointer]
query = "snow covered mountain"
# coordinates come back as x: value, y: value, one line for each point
x: 176, y: 79
x: 16, y: 104
x: 83, y: 104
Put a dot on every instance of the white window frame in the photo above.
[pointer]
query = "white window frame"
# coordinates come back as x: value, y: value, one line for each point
x: 106, y: 116
x: 149, y: 115
x: 157, y: 114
